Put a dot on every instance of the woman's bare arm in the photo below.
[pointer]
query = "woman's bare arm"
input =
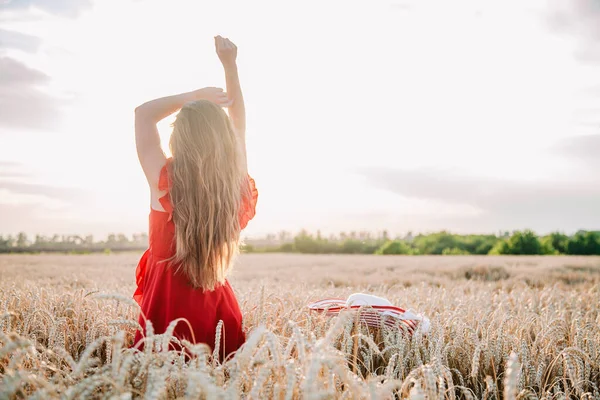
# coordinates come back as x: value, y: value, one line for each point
x: 147, y: 140
x: 227, y: 52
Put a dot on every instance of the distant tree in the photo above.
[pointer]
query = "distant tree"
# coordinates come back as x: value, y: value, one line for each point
x: 500, y: 248
x: 122, y: 239
x: 283, y: 236
x: 78, y: 240
x: 247, y: 248
x: 364, y: 236
x: 476, y: 244
x: 41, y: 241
x: 584, y: 243
x: 22, y: 241
x: 286, y: 248
x: 520, y: 243
x: 4, y: 242
x: 547, y: 247
x: 88, y: 241
x: 111, y: 240
x: 485, y: 246
x: 304, y: 243
x: 352, y: 246
x: 559, y: 241
x: 394, y: 247
x: 435, y: 243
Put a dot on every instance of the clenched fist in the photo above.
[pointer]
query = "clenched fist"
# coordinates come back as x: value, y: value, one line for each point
x: 226, y: 50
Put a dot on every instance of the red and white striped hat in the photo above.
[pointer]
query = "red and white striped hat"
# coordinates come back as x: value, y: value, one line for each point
x: 374, y: 311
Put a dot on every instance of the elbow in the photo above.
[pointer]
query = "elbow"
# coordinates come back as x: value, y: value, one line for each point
x: 145, y: 113
x: 141, y: 113
x: 142, y: 108
x: 138, y: 110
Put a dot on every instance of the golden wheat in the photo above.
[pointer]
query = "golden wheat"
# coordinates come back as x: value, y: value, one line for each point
x: 529, y: 332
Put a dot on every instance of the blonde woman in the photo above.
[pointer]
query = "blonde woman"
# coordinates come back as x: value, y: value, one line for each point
x: 201, y: 198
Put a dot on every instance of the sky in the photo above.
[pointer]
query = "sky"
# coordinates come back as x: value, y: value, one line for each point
x: 470, y: 116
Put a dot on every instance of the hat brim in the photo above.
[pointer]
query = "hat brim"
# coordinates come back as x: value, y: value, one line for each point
x: 372, y: 315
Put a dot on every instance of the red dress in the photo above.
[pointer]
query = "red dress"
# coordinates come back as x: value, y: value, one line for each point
x: 164, y: 295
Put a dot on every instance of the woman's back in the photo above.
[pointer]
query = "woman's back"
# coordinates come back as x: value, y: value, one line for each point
x: 165, y: 294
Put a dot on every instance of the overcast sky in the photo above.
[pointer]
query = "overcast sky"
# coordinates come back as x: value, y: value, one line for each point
x: 472, y: 116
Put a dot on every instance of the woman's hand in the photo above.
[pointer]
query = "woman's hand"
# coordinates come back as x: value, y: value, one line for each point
x: 226, y: 50
x: 216, y: 95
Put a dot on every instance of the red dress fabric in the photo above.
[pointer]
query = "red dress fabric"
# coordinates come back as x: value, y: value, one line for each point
x: 165, y: 295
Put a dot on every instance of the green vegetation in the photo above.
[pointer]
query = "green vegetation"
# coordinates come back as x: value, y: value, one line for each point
x: 440, y: 243
x: 524, y: 242
x: 394, y: 247
x: 73, y: 244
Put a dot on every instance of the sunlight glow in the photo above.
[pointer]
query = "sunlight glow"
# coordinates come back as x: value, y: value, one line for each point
x: 427, y: 85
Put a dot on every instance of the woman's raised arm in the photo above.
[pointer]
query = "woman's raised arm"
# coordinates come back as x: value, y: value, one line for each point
x: 227, y: 52
x: 147, y: 140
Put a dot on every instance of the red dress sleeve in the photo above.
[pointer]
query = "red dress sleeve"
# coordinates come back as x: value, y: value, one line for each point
x: 249, y: 199
x: 164, y: 184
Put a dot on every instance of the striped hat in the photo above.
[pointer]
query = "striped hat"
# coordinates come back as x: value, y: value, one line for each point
x: 374, y: 311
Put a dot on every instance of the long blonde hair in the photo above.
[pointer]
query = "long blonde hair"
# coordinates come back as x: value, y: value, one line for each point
x: 208, y: 177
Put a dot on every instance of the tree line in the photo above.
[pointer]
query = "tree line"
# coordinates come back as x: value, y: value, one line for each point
x: 525, y: 242
x: 21, y: 243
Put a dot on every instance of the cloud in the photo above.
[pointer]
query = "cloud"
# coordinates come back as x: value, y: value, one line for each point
x: 43, y: 208
x: 581, y: 19
x: 504, y: 204
x: 9, y: 169
x: 401, y: 5
x: 66, y: 8
x: 8, y: 164
x: 584, y: 149
x: 52, y: 192
x: 20, y: 41
x: 16, y: 189
x: 34, y: 219
x: 30, y: 207
x: 22, y: 103
x: 593, y: 91
x: 17, y: 73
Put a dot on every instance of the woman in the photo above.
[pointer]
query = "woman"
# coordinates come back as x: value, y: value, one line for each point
x: 200, y: 200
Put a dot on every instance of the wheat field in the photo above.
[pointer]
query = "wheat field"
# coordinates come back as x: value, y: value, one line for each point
x: 502, y: 328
